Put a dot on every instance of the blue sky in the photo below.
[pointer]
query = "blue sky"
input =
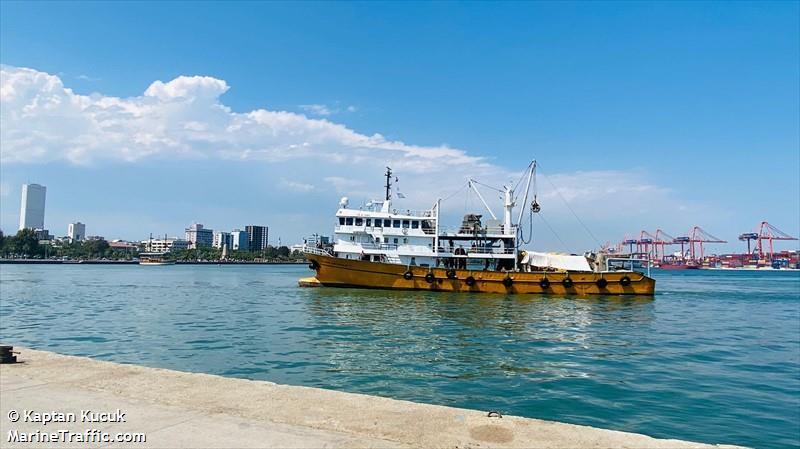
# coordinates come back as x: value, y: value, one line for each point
x: 643, y: 115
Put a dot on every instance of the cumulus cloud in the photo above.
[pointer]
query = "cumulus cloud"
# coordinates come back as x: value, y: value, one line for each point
x: 44, y: 121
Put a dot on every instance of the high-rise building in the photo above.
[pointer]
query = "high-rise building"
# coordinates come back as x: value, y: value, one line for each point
x: 223, y: 239
x: 198, y: 236
x: 238, y: 240
x: 76, y: 231
x: 257, y: 237
x: 31, y: 210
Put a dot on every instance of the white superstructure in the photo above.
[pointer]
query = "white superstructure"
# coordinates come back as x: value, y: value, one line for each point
x: 378, y: 232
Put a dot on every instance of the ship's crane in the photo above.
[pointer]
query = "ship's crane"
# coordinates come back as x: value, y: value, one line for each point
x: 769, y: 233
x: 697, y: 237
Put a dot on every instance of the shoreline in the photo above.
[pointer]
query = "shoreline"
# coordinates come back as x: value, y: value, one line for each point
x: 174, y: 408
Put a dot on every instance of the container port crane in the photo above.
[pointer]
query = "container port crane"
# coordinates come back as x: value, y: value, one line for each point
x: 697, y: 237
x: 769, y: 233
x: 663, y: 239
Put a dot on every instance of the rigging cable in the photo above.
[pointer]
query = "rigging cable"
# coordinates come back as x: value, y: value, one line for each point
x: 586, y: 228
x: 563, y: 245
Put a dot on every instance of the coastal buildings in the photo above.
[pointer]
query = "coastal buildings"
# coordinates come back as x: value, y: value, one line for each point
x: 198, y: 236
x: 239, y: 240
x: 257, y: 237
x: 165, y: 244
x: 76, y: 232
x: 223, y: 239
x: 31, y: 211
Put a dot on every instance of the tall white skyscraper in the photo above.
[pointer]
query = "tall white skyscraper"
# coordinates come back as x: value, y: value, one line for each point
x: 31, y: 210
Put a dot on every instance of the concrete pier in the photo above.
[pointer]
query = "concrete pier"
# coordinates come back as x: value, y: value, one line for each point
x: 176, y: 409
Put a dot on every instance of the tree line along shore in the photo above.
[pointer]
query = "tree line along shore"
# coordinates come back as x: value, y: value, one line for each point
x: 24, y: 247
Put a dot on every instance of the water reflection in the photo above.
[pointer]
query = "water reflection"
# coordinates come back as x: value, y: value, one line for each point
x: 465, y: 337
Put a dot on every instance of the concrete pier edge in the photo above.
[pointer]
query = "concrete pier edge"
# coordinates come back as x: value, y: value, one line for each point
x: 179, y: 409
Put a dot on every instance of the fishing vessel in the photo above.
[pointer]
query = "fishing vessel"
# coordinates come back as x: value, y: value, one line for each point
x: 379, y: 246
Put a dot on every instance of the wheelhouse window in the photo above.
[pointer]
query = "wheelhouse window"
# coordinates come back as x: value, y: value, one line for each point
x: 395, y: 241
x: 349, y: 221
x: 369, y: 222
x: 359, y: 221
x: 396, y: 224
x: 405, y: 240
x: 406, y: 223
x: 415, y: 224
x: 387, y: 223
x: 341, y: 221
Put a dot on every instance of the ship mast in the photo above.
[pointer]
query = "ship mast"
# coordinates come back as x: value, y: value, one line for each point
x: 388, y: 183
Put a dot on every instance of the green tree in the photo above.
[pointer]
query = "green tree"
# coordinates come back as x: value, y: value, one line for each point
x: 27, y: 243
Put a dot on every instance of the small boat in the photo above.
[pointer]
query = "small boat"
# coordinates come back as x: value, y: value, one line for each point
x: 155, y: 258
x: 377, y: 246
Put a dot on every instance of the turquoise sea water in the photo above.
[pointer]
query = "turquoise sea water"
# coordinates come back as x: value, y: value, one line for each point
x: 714, y: 357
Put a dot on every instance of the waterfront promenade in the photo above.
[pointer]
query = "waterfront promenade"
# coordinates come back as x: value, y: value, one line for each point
x: 176, y: 409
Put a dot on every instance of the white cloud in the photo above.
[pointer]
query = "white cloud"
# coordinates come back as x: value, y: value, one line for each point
x: 44, y: 121
x: 296, y: 186
x: 316, y: 109
x: 86, y: 78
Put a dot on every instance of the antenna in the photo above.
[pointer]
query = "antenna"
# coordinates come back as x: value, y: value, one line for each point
x: 388, y: 183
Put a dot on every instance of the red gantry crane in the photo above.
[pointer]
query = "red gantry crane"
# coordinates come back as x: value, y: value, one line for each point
x: 697, y: 237
x: 663, y: 239
x: 645, y: 244
x: 769, y: 233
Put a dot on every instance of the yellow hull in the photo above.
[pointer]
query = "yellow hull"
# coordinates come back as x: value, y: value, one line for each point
x: 336, y: 272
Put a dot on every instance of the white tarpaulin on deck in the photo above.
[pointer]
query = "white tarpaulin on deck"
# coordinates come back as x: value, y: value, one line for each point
x: 557, y: 261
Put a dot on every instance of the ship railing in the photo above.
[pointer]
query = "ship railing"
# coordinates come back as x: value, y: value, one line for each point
x: 450, y: 251
x: 613, y: 262
x: 387, y: 246
x: 414, y: 213
x: 316, y: 251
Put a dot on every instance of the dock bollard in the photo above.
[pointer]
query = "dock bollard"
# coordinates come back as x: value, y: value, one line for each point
x: 7, y: 354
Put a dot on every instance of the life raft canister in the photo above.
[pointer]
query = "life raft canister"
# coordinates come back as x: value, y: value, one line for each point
x: 470, y: 281
x: 429, y: 278
x: 544, y: 283
x: 625, y: 281
x: 602, y: 282
x: 408, y: 275
x: 567, y: 283
x: 451, y: 274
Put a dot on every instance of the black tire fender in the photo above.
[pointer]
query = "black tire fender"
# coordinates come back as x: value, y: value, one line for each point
x: 625, y: 281
x: 429, y: 278
x: 470, y: 281
x: 567, y: 282
x: 508, y: 282
x: 451, y: 274
x: 602, y: 282
x: 544, y: 283
x: 408, y: 275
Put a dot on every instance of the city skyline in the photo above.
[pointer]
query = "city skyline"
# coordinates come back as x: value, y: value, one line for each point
x: 632, y: 140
